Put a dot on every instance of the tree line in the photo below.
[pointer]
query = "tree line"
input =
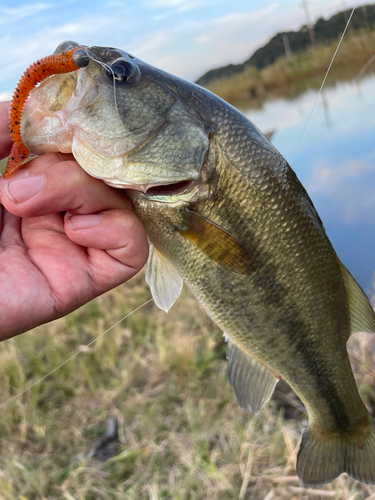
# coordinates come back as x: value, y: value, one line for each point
x: 297, y: 41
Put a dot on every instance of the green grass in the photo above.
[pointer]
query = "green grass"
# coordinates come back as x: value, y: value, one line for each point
x: 252, y: 85
x: 182, y: 434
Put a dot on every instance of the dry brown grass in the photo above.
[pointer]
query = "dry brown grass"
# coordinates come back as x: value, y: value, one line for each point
x: 182, y: 435
x: 252, y: 85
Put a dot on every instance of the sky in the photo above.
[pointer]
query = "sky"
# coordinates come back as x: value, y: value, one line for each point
x: 183, y: 37
x: 189, y: 37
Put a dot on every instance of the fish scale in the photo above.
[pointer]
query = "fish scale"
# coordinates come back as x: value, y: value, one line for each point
x: 225, y: 213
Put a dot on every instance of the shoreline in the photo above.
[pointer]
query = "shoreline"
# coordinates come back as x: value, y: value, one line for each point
x: 253, y: 85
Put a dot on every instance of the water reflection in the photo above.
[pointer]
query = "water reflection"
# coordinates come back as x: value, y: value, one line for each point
x: 335, y: 160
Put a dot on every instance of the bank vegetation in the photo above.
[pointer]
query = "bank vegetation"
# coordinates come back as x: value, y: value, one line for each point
x: 252, y: 84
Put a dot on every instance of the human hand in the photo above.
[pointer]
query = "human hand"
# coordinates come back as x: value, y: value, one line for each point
x: 65, y: 238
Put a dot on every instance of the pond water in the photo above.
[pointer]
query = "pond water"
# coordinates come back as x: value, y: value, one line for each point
x: 335, y: 161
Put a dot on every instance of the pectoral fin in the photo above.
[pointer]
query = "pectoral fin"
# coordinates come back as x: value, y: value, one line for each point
x: 164, y: 281
x: 217, y: 244
x: 251, y: 382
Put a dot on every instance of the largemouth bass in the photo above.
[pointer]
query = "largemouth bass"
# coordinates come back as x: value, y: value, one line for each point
x: 225, y: 213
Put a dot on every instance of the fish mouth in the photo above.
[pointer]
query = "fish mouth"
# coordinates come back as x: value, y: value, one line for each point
x: 153, y: 190
x: 170, y: 189
x: 185, y: 191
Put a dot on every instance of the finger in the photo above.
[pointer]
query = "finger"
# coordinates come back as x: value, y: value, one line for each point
x: 50, y: 185
x: 5, y: 140
x: 118, y: 232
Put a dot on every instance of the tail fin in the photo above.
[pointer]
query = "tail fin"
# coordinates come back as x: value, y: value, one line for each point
x: 320, y: 461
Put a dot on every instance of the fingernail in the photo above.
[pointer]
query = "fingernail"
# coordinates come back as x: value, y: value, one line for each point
x: 84, y: 221
x: 22, y: 190
x: 20, y: 174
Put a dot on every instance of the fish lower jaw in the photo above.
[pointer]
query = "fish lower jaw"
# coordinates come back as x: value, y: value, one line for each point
x: 117, y: 183
x: 152, y: 188
x: 179, y: 192
x: 170, y: 189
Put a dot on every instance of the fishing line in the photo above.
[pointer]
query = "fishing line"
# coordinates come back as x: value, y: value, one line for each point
x: 108, y: 68
x: 71, y: 357
x: 324, y: 81
x: 364, y: 68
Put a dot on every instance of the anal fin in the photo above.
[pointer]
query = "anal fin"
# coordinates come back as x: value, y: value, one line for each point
x: 252, y: 383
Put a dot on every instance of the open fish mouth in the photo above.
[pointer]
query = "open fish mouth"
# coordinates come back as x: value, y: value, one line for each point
x: 170, y: 189
x: 183, y: 191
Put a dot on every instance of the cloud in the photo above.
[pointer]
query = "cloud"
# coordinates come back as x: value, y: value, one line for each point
x: 186, y: 45
x: 348, y: 186
x: 187, y: 48
x: 11, y: 15
x: 162, y: 4
x: 193, y: 46
x: 5, y: 96
x: 20, y: 50
x: 174, y: 6
x: 322, y: 8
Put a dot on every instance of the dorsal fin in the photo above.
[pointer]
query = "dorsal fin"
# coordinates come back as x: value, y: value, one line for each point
x: 252, y: 383
x: 164, y: 281
x: 362, y: 317
x: 217, y: 244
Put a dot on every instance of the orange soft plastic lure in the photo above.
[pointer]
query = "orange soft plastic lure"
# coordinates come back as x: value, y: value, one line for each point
x: 68, y: 61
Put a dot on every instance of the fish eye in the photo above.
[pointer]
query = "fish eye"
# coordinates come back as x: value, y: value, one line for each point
x: 122, y: 70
